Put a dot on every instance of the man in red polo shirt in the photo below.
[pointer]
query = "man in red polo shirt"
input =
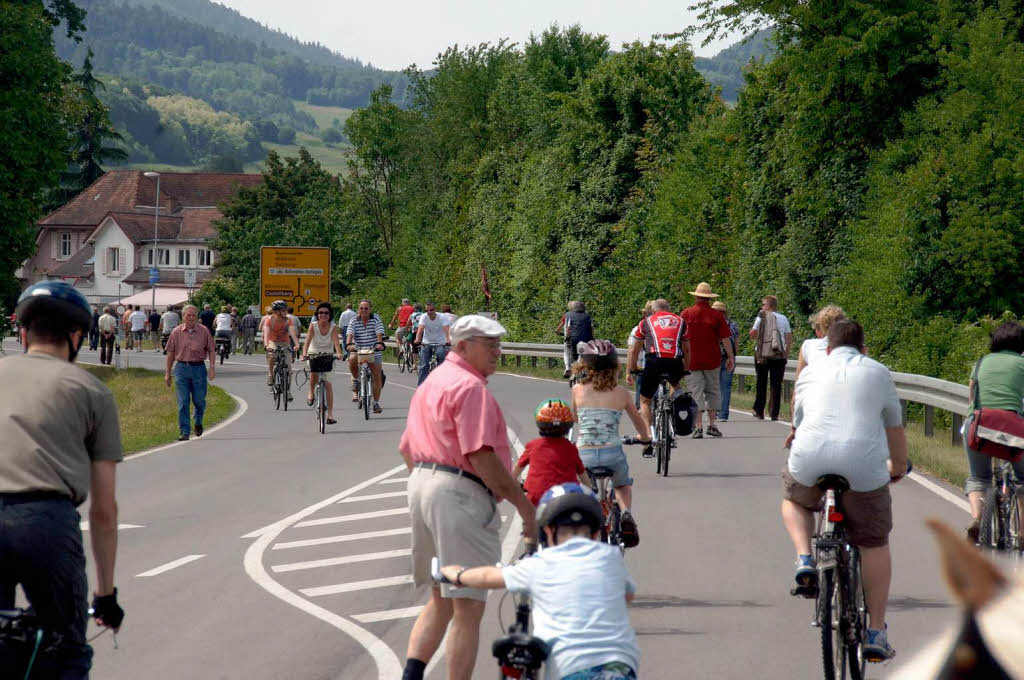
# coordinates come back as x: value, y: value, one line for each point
x: 706, y: 328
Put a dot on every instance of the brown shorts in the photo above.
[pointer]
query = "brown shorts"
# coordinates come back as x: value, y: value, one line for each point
x: 868, y: 513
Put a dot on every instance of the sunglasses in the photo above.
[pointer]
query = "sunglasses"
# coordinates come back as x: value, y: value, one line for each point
x: 323, y: 313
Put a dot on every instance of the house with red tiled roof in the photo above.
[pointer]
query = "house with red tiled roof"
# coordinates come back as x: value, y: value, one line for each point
x: 107, y: 238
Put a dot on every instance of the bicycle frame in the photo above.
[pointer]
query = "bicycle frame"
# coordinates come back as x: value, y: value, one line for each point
x: 605, y: 490
x: 1000, y: 525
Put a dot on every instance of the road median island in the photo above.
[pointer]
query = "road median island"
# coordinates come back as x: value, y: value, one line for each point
x: 147, y: 408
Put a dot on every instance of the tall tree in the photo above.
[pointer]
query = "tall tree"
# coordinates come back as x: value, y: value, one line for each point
x: 91, y: 146
x: 37, y: 103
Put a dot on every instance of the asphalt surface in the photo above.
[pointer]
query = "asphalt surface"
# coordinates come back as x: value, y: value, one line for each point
x: 267, y: 550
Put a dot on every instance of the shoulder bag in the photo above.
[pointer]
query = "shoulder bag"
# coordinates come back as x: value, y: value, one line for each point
x: 995, y: 432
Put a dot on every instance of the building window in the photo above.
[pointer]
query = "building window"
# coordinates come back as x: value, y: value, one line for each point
x: 65, y: 245
x: 113, y: 260
x: 163, y: 256
x: 205, y: 258
x: 184, y: 258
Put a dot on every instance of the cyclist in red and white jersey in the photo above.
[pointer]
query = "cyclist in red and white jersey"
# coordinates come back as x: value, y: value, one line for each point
x: 665, y: 353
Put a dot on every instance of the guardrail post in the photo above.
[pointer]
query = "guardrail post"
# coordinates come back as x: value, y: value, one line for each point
x: 502, y: 359
x: 929, y: 421
x: 903, y: 407
x: 958, y: 421
x: 787, y: 391
x: 533, y: 362
x: 551, y: 363
x: 741, y: 384
x: 519, y: 360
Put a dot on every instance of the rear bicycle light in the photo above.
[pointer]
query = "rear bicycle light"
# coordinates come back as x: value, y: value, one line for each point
x: 834, y: 516
x: 510, y: 672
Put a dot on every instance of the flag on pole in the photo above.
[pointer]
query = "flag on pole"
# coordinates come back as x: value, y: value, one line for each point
x: 483, y: 282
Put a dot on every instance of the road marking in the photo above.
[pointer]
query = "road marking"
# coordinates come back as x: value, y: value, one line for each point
x: 374, y: 497
x: 120, y: 527
x: 170, y: 565
x: 400, y: 480
x: 353, y: 518
x: 341, y: 539
x: 348, y: 559
x: 243, y: 406
x: 388, y: 615
x: 385, y: 659
x: 354, y: 586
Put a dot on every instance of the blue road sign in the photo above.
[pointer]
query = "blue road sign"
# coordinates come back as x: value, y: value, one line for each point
x: 154, y: 275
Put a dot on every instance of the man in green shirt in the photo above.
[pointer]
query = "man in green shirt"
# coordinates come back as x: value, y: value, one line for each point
x: 62, y: 443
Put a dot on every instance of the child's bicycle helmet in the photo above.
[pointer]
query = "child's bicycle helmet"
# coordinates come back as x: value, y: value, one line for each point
x: 554, y: 418
x: 569, y: 504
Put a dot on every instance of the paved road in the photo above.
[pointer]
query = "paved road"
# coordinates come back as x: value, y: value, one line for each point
x: 267, y: 550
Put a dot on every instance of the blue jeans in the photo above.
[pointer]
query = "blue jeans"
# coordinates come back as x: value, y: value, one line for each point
x: 611, y: 456
x: 615, y: 670
x: 427, y: 351
x: 41, y: 548
x: 725, y: 385
x: 190, y: 381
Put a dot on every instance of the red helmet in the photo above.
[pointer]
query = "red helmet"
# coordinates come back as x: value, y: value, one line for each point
x: 554, y: 418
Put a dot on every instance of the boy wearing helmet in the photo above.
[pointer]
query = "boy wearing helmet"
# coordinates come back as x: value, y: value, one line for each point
x: 552, y: 458
x: 61, y: 445
x: 579, y: 587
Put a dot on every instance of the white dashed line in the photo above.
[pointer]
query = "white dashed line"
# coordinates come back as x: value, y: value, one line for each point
x: 348, y: 559
x: 357, y: 585
x: 120, y: 527
x: 352, y: 518
x: 284, y: 545
x: 388, y: 615
x: 170, y: 565
x: 400, y: 480
x: 374, y: 497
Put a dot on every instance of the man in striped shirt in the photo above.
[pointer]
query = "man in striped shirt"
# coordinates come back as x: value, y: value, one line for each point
x: 366, y: 331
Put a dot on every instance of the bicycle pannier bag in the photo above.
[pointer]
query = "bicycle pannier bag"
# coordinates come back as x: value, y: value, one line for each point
x: 995, y: 432
x: 684, y: 414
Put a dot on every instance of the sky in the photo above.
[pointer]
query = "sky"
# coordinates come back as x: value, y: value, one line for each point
x: 397, y: 33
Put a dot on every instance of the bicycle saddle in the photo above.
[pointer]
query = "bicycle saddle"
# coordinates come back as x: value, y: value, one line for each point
x: 836, y: 482
x: 601, y: 471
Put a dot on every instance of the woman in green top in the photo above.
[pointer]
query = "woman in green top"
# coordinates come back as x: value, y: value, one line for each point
x: 999, y: 380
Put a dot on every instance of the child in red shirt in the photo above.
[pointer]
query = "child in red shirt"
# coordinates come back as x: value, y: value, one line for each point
x: 552, y: 458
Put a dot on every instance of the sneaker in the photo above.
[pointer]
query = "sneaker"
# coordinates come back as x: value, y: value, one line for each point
x: 876, y: 647
x: 199, y: 430
x: 759, y: 416
x: 806, y: 571
x: 628, y: 531
x: 566, y: 374
x: 713, y: 431
x: 183, y: 438
x: 377, y: 408
x: 270, y: 381
x: 698, y: 433
x: 648, y: 451
x: 723, y: 419
x: 974, y: 531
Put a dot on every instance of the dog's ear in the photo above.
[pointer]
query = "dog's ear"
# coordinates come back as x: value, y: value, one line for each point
x: 974, y: 580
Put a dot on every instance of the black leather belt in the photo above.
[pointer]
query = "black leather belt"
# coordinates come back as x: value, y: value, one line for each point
x: 192, y: 363
x: 455, y: 471
x: 32, y: 497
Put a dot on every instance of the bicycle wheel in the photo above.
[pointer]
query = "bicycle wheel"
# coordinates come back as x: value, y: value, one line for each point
x: 828, y: 623
x: 321, y: 406
x: 665, y: 435
x: 277, y: 390
x: 1013, y: 528
x: 286, y: 380
x: 366, y: 392
x: 658, y: 443
x: 401, y: 361
x: 989, y: 528
x: 856, y: 618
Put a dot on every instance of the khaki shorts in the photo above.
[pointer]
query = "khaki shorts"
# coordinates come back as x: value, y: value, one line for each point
x: 455, y: 519
x: 868, y: 513
x: 705, y: 388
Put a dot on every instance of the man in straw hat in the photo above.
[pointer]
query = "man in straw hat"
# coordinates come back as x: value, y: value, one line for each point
x: 456, y: 447
x: 706, y: 329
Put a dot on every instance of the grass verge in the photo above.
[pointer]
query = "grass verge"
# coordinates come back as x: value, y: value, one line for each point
x: 147, y: 408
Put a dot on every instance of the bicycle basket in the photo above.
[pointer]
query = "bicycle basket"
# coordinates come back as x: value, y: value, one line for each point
x: 321, y: 364
x: 684, y: 414
x: 365, y: 355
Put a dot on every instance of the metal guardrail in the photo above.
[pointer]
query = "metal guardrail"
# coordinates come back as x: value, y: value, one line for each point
x: 932, y: 393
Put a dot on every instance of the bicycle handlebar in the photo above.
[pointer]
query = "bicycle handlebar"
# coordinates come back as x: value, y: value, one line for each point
x: 629, y: 441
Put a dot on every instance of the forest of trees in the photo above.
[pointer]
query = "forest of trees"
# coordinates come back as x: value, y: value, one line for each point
x: 876, y: 162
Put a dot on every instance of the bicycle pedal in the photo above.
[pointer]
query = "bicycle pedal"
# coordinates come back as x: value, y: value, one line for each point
x: 809, y: 592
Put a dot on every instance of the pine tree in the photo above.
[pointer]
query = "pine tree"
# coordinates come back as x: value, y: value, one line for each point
x: 92, y: 136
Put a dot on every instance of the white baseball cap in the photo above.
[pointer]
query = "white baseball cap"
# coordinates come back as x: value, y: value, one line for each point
x: 474, y: 325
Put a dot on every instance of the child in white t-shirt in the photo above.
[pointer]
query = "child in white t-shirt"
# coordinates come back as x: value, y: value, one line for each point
x: 579, y: 587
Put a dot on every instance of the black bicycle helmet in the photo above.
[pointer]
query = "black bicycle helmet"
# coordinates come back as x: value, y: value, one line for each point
x: 57, y: 301
x: 569, y: 505
x: 279, y: 305
x: 599, y: 354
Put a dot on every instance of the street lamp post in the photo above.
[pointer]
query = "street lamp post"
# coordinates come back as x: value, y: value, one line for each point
x: 156, y: 228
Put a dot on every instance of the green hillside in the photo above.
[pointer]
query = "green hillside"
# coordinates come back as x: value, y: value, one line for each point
x: 725, y: 69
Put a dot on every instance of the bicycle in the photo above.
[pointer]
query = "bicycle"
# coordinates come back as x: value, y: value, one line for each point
x: 840, y: 609
x: 27, y: 649
x: 365, y: 357
x: 281, y: 387
x: 1000, y: 524
x: 664, y: 440
x: 601, y: 483
x: 519, y: 654
x: 320, y: 364
x: 223, y: 348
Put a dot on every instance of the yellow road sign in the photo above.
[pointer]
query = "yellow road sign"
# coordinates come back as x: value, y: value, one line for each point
x: 299, y: 276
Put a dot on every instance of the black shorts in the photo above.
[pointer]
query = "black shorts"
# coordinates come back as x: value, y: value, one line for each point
x: 654, y: 368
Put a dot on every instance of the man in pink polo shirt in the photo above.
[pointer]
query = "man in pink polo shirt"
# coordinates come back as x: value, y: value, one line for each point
x: 456, y: 446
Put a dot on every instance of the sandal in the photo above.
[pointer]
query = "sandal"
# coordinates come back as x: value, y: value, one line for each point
x: 309, y: 402
x: 332, y: 421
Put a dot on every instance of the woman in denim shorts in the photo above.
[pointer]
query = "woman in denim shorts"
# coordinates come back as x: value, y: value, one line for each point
x: 598, y: 403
